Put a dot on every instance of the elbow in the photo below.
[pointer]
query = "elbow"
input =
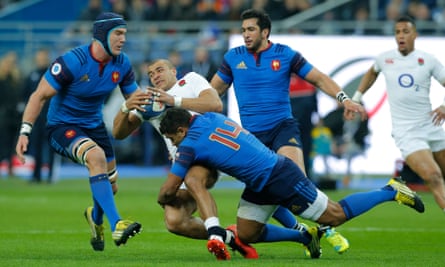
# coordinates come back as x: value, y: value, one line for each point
x: 218, y: 107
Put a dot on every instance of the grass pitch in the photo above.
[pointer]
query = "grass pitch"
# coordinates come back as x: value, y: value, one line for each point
x: 43, y: 225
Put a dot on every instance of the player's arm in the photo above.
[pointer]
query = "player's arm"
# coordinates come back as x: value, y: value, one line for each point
x: 125, y: 122
x: 218, y: 83
x: 167, y: 193
x: 207, y: 101
x: 330, y: 87
x: 366, y: 82
x: 33, y: 108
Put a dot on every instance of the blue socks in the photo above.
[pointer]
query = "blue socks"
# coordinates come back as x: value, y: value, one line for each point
x: 358, y: 203
x: 273, y: 233
x: 103, y: 199
x: 285, y: 217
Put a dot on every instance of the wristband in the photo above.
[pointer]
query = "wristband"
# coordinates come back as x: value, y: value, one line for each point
x: 25, y: 128
x: 178, y: 101
x: 341, y: 96
x: 357, y: 97
x: 124, y: 108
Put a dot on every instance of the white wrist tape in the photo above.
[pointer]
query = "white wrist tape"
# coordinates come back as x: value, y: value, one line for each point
x: 25, y: 128
x: 124, y: 108
x: 178, y: 101
x: 341, y: 96
x: 357, y: 97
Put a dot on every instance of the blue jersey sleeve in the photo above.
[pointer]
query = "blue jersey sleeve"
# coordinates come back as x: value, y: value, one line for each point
x: 59, y: 75
x: 225, y: 71
x: 300, y: 66
x: 185, y: 156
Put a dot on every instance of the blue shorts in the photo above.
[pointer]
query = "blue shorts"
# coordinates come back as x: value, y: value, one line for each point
x: 286, y: 133
x: 287, y: 187
x: 63, y: 137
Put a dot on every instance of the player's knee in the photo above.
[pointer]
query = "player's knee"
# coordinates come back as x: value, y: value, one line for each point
x: 86, y: 151
x: 173, y: 223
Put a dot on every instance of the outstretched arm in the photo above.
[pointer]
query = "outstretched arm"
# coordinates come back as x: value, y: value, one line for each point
x: 330, y: 87
x: 33, y: 108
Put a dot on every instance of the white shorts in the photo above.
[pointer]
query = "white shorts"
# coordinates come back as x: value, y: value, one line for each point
x: 426, y: 136
x: 262, y: 213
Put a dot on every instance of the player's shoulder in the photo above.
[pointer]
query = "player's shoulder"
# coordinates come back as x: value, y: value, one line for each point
x: 78, y: 55
x: 423, y: 54
x: 238, y: 50
x: 192, y: 76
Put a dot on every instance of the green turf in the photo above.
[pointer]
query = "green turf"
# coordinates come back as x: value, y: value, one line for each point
x: 43, y: 225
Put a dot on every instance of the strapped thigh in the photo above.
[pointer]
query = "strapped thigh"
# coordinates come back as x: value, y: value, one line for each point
x: 81, y: 149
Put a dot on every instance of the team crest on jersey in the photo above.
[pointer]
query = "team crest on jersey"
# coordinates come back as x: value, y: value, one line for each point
x: 241, y: 65
x: 115, y: 76
x: 421, y: 61
x: 276, y: 65
x: 389, y: 61
x: 181, y: 82
x: 70, y: 134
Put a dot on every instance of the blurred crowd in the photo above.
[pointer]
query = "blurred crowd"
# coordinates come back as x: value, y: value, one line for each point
x: 156, y: 10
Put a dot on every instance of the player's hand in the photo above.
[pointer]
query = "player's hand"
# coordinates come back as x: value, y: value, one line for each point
x: 160, y: 95
x: 352, y: 108
x: 137, y: 100
x: 22, y: 147
x: 438, y: 115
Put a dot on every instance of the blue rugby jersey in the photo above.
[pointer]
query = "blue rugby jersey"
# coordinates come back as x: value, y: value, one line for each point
x: 218, y: 141
x: 83, y: 84
x: 261, y: 83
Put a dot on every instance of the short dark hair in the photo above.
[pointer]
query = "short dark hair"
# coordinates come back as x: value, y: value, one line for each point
x: 174, y: 118
x: 406, y: 18
x: 263, y: 19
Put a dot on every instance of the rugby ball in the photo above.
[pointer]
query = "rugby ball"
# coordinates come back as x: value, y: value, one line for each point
x: 154, y: 109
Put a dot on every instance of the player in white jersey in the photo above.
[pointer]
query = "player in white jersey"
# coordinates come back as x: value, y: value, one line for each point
x: 194, y: 93
x: 416, y: 128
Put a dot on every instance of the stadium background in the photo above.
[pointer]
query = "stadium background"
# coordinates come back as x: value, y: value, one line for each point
x: 27, y: 25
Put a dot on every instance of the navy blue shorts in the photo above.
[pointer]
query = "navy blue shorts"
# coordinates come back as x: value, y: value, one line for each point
x: 286, y: 133
x: 63, y: 137
x: 287, y: 187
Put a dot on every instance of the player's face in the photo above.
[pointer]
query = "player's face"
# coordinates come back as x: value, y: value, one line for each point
x: 254, y: 39
x: 161, y: 75
x: 405, y: 34
x: 177, y: 137
x: 117, y: 40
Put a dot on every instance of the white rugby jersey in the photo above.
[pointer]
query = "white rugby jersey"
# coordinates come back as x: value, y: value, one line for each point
x: 189, y: 86
x: 408, y: 80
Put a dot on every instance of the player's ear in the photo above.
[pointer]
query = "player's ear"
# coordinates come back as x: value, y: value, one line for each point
x: 182, y: 131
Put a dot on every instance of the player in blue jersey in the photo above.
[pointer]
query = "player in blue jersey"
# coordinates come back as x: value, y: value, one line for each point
x: 260, y: 72
x: 77, y: 83
x: 194, y: 93
x: 270, y: 179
